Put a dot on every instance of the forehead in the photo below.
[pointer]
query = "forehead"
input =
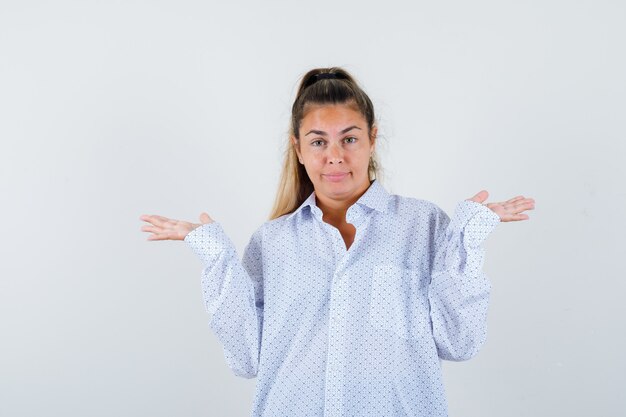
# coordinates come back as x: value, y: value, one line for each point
x: 332, y: 117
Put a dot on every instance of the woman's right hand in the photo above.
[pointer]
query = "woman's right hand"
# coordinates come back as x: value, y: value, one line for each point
x: 169, y: 229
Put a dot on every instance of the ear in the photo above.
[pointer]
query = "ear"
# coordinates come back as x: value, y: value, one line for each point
x: 373, y: 136
x: 296, y: 146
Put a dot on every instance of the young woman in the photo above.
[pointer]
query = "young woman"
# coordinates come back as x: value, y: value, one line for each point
x: 349, y: 297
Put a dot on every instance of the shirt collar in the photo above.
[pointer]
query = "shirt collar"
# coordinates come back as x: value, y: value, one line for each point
x: 375, y: 197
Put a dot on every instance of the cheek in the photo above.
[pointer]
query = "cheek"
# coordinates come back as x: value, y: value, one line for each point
x: 360, y: 157
x: 311, y: 157
x: 310, y: 163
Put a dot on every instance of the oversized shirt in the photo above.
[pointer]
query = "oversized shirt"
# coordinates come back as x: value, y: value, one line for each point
x: 329, y: 331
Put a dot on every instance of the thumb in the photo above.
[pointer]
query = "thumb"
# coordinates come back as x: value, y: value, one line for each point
x: 205, y: 218
x: 480, y: 197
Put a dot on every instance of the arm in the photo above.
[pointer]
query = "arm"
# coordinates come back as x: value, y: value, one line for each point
x: 232, y: 293
x: 459, y: 289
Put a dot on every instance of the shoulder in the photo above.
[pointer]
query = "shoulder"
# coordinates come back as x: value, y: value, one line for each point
x: 413, y: 207
x: 274, y: 228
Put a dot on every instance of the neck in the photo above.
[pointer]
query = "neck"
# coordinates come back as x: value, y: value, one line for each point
x: 334, y: 211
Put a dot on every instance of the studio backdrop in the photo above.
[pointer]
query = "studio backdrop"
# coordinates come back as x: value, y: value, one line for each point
x: 111, y: 110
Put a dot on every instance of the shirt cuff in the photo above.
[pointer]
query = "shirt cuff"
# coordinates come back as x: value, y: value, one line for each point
x: 475, y: 220
x: 207, y: 241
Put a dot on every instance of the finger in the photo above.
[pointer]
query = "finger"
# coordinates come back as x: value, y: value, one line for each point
x: 146, y: 217
x: 515, y: 217
x: 509, y: 205
x: 159, y: 236
x: 480, y: 196
x: 205, y: 218
x: 524, y: 205
x: 519, y: 205
x: 514, y: 199
x: 161, y: 218
x: 151, y: 229
x: 157, y: 220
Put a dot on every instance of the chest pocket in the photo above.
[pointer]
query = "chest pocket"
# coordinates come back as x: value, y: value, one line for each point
x: 399, y: 302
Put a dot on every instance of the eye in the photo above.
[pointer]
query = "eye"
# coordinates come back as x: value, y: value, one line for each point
x: 317, y: 142
x: 350, y: 139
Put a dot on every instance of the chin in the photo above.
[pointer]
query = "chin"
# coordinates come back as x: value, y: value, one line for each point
x: 339, y: 191
x: 342, y: 189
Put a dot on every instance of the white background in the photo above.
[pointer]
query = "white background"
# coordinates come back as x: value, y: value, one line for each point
x: 110, y: 110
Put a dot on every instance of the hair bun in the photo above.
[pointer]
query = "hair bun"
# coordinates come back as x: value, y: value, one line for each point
x: 324, y: 76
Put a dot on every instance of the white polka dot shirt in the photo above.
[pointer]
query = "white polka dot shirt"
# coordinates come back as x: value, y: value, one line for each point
x: 360, y: 332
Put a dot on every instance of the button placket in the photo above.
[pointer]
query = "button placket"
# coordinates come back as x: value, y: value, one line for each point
x: 333, y: 401
x: 334, y: 376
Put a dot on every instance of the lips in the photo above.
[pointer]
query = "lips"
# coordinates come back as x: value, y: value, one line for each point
x: 335, y: 176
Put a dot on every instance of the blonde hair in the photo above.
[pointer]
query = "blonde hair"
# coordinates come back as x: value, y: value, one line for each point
x: 319, y: 86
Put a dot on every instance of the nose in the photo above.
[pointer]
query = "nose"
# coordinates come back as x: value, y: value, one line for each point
x: 335, y: 154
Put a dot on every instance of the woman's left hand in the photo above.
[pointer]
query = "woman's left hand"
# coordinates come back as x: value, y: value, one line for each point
x: 510, y: 210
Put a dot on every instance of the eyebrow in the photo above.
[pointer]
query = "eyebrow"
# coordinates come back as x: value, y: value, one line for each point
x: 320, y: 132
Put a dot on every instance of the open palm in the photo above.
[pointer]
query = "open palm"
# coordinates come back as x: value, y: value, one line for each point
x: 509, y: 210
x: 163, y: 228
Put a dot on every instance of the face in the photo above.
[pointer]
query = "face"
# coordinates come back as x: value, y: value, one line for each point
x: 335, y: 146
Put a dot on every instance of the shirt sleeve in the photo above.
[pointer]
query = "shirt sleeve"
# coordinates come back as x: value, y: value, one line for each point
x: 232, y: 293
x: 459, y: 289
